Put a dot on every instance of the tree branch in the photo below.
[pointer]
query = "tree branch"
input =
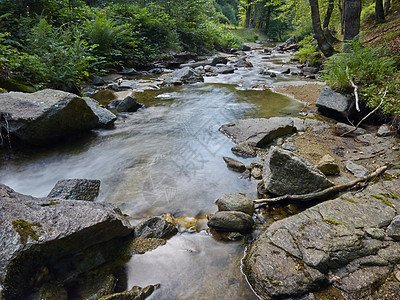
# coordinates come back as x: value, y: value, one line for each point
x: 355, y: 89
x: 324, y: 194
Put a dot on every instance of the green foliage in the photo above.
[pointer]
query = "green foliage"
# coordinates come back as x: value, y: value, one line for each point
x: 363, y: 65
x: 308, y: 52
x: 371, y: 70
x: 102, y: 32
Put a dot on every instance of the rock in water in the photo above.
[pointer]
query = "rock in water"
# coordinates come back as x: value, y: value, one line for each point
x: 44, y: 116
x: 106, y: 117
x: 234, y: 221
x: 76, y: 189
x: 258, y: 132
x: 155, y: 228
x: 187, y: 75
x: 287, y: 173
x: 38, y: 235
x: 244, y: 149
x: 234, y: 164
x: 128, y: 104
x: 235, y: 202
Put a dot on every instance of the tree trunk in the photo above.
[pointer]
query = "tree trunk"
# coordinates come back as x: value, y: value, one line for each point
x: 268, y: 20
x: 248, y: 14
x: 323, y: 44
x: 341, y: 9
x: 253, y: 19
x: 387, y: 6
x: 379, y: 12
x: 328, y: 34
x: 352, y: 12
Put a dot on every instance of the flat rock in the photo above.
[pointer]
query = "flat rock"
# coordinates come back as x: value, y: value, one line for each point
x: 244, y: 149
x: 331, y: 102
x: 234, y: 221
x: 44, y: 116
x: 235, y: 202
x: 155, y: 227
x: 35, y: 233
x: 219, y: 60
x: 76, y: 189
x: 384, y: 130
x: 258, y: 132
x: 225, y: 70
x: 285, y: 172
x: 234, y: 164
x: 355, y: 169
x: 296, y: 255
x: 341, y: 128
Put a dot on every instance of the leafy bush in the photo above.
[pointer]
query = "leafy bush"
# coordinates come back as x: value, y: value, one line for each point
x: 308, y: 51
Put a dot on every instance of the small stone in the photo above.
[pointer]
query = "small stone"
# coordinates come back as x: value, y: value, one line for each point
x: 244, y: 149
x: 256, y: 173
x: 287, y: 71
x: 234, y: 164
x: 155, y: 228
x: 235, y: 221
x: 257, y: 163
x: 235, y: 202
x: 384, y: 131
x: 289, y: 147
x: 394, y: 228
x: 341, y: 128
x: 355, y: 169
x: 328, y: 166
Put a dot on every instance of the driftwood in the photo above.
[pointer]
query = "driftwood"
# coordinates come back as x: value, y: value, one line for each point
x: 355, y: 89
x: 324, y: 194
x: 362, y: 120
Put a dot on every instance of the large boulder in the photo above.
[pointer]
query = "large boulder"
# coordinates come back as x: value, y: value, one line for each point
x: 258, y: 132
x: 106, y: 117
x: 44, y: 116
x: 38, y: 236
x: 337, y: 242
x: 76, y: 189
x: 187, y: 75
x: 334, y: 104
x: 287, y: 173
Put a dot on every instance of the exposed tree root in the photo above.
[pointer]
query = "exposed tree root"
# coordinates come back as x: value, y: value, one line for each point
x: 324, y: 194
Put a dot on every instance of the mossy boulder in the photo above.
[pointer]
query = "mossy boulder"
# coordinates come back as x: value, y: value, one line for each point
x: 41, y: 238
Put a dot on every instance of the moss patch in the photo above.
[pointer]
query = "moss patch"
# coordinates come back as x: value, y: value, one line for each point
x: 25, y: 230
x: 333, y: 222
x: 384, y: 200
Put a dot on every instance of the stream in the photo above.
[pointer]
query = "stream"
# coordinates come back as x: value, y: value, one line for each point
x: 167, y: 158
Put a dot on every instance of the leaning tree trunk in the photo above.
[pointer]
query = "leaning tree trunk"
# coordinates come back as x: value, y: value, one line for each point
x: 379, y: 12
x: 341, y: 9
x: 323, y: 44
x: 352, y: 12
x: 387, y: 6
x: 329, y: 37
x: 268, y: 20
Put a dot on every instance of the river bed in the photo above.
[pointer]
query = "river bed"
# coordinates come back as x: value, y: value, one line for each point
x: 167, y: 158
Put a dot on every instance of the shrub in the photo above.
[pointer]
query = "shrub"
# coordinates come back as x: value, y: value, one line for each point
x: 308, y: 51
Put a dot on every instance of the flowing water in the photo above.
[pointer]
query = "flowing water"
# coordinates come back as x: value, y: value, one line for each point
x: 167, y: 158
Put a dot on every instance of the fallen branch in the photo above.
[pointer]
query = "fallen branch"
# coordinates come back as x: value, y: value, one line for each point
x: 363, y: 119
x: 324, y: 194
x: 355, y: 89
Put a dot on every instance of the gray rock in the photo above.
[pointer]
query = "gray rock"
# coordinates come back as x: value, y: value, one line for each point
x: 328, y: 166
x: 231, y: 221
x: 235, y: 202
x: 295, y: 255
x: 128, y: 71
x: 187, y: 75
x: 44, y: 116
x: 43, y: 233
x: 242, y: 63
x: 257, y: 163
x: 394, y: 228
x: 95, y: 285
x: 128, y: 104
x: 289, y: 147
x: 355, y: 169
x: 271, y: 74
x: 76, y: 189
x: 156, y: 71
x: 106, y: 117
x: 258, y: 132
x: 219, y: 60
x: 329, y: 101
x: 288, y: 173
x: 246, y: 48
x: 341, y: 128
x: 310, y: 70
x: 287, y: 71
x: 384, y: 131
x: 225, y: 70
x: 256, y: 173
x: 234, y: 164
x: 244, y: 149
x: 97, y: 80
x: 155, y: 227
